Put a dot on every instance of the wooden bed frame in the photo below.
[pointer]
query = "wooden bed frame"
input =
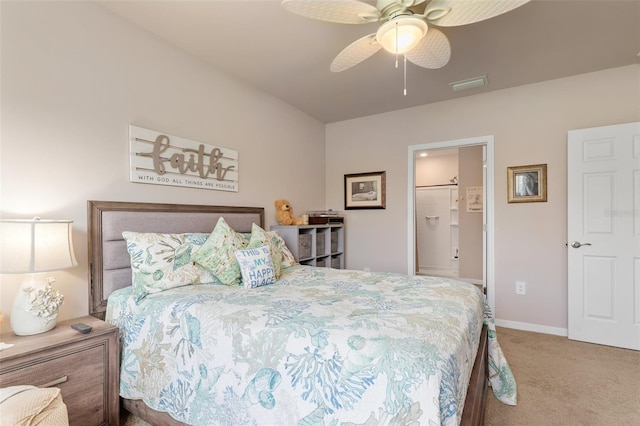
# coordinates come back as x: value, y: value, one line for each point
x: 109, y: 270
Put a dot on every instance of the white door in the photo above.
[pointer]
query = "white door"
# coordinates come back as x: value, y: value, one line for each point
x: 603, y: 187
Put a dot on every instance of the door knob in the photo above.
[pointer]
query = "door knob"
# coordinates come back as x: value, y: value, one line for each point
x: 578, y: 244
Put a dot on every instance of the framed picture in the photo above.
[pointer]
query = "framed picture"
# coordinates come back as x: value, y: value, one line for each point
x: 475, y: 201
x: 365, y: 191
x: 527, y: 184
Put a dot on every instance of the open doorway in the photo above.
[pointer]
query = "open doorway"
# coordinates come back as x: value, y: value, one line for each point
x: 450, y: 211
x: 449, y: 205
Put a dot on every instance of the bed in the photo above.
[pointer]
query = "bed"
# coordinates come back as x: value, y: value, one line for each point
x: 320, y: 346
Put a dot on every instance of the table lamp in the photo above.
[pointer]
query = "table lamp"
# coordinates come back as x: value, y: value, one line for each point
x: 35, y: 247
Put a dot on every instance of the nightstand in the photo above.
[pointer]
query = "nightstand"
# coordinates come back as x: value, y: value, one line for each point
x: 84, y: 366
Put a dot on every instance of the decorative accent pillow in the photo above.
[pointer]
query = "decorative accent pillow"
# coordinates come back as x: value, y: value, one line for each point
x: 256, y: 266
x: 278, y: 242
x: 260, y: 237
x: 163, y: 261
x: 217, y: 254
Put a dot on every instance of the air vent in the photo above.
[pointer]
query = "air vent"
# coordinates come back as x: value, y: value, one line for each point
x: 470, y: 83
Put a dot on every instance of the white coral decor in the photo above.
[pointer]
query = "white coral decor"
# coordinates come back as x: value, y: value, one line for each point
x: 45, y: 302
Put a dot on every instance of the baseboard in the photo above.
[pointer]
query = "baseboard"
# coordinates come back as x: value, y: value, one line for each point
x: 536, y: 328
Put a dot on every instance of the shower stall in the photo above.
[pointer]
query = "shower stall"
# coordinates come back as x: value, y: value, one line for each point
x: 437, y: 230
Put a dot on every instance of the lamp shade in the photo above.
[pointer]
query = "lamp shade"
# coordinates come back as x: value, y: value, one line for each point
x: 30, y: 246
x: 401, y: 34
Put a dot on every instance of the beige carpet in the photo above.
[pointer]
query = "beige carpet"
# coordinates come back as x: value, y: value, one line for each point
x: 564, y: 382
x: 561, y: 382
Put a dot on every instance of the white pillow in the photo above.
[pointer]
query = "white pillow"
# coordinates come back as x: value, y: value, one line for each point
x: 256, y: 266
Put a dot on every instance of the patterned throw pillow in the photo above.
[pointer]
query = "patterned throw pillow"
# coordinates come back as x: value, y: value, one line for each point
x: 256, y: 266
x: 217, y: 254
x: 260, y: 237
x: 278, y: 242
x: 162, y: 261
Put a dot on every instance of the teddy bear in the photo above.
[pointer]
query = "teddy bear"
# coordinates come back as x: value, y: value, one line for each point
x: 284, y: 213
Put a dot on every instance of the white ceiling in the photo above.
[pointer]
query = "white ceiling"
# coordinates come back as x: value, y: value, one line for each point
x: 288, y: 55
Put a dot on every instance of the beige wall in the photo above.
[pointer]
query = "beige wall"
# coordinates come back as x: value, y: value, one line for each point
x: 437, y: 169
x: 74, y: 77
x: 529, y: 125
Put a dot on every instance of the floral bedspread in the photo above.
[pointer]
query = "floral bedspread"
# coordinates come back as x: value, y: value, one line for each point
x: 320, y: 347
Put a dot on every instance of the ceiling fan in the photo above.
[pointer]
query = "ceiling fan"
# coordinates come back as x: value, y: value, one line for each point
x: 407, y: 25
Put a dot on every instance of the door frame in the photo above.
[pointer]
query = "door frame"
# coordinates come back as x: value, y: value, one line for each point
x: 488, y: 211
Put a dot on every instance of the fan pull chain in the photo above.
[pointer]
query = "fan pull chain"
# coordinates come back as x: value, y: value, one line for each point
x: 405, y: 75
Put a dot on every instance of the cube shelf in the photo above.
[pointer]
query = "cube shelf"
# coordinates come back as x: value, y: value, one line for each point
x: 315, y: 245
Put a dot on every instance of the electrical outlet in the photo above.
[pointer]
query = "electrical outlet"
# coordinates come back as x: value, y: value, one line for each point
x: 521, y: 287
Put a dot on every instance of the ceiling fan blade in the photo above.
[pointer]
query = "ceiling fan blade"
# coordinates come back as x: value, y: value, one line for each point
x: 338, y: 11
x: 433, y: 52
x: 355, y: 53
x: 463, y: 12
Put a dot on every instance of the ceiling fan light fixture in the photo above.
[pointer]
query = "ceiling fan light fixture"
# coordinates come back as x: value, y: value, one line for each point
x: 401, y: 34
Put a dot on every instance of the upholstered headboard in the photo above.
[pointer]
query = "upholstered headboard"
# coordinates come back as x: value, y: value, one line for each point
x: 109, y: 264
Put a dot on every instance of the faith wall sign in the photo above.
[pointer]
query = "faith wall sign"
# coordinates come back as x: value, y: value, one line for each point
x: 161, y: 159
